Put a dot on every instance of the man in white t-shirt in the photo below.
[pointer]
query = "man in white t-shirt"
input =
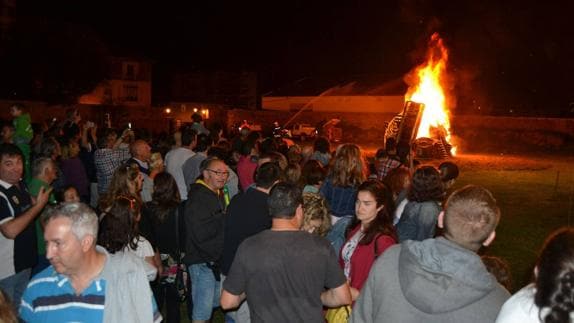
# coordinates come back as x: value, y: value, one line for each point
x: 175, y: 158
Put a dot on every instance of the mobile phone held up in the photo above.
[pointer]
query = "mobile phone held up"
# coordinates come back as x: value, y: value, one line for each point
x: 129, y: 125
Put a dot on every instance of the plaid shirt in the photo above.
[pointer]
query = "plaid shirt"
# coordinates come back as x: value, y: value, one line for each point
x: 384, y: 165
x: 106, y: 161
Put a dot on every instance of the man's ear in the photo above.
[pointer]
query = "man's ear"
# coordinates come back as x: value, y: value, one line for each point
x: 441, y: 220
x: 490, y: 238
x: 299, y: 215
x: 87, y: 242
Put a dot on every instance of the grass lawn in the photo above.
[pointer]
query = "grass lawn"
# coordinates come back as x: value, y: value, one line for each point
x: 533, y: 201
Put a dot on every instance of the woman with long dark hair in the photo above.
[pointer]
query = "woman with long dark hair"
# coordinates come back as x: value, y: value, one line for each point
x: 420, y: 216
x: 119, y: 231
x: 159, y: 226
x: 550, y: 298
x: 370, y: 233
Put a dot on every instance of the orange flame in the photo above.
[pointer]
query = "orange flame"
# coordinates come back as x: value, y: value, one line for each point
x: 427, y: 88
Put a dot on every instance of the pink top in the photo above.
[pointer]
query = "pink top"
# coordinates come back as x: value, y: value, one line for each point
x: 364, y: 256
x: 246, y: 171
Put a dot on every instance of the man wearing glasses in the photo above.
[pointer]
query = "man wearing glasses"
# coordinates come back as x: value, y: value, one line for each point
x: 204, y: 222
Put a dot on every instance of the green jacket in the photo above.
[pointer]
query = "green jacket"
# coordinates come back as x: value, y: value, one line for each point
x: 34, y: 188
x: 23, y: 132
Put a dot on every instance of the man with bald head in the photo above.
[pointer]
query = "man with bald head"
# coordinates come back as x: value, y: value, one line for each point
x: 204, y: 222
x: 141, y: 152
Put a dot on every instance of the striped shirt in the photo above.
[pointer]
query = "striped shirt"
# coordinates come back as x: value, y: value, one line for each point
x: 50, y: 297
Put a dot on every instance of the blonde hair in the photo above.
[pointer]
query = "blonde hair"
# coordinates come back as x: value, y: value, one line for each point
x: 348, y: 168
x: 156, y: 161
x: 315, y: 208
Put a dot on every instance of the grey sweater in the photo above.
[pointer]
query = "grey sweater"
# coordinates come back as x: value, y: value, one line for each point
x: 434, y: 280
x: 128, y: 294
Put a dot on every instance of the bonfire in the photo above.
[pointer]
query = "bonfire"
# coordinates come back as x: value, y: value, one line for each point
x: 426, y: 85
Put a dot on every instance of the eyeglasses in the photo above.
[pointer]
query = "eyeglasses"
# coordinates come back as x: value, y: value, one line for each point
x: 218, y: 173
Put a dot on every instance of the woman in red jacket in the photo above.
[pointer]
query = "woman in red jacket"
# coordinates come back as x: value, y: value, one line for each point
x: 370, y: 233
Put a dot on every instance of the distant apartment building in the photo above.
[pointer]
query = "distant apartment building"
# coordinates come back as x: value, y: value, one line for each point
x: 228, y: 89
x: 128, y: 84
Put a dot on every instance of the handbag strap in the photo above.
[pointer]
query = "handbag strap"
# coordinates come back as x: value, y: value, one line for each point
x: 178, y: 247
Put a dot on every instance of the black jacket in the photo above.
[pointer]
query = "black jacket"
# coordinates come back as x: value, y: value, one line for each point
x: 204, y: 224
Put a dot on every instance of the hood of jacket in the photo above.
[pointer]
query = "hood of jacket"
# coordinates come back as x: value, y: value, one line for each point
x: 439, y: 276
x: 201, y: 190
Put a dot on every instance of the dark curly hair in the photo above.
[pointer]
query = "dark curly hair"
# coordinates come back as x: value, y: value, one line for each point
x: 312, y: 173
x: 383, y: 222
x: 165, y: 197
x: 426, y: 185
x: 118, y: 226
x: 555, y: 279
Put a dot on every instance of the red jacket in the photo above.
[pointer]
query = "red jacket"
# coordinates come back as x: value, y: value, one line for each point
x: 364, y: 256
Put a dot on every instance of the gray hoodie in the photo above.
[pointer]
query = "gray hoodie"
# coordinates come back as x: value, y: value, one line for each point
x: 434, y: 280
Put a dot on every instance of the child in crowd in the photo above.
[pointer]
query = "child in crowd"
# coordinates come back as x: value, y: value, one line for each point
x: 68, y: 194
x: 316, y: 218
x: 23, y: 133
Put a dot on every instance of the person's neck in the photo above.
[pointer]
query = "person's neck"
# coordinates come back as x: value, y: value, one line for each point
x: 90, y: 269
x: 365, y: 224
x: 264, y: 190
x: 284, y: 225
x: 215, y: 190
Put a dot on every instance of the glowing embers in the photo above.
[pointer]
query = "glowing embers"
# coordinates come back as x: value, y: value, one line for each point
x: 426, y: 85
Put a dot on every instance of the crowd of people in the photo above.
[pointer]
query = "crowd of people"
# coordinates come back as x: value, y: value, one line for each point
x: 98, y: 225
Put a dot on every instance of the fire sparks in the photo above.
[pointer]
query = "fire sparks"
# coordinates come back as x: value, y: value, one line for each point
x: 428, y: 80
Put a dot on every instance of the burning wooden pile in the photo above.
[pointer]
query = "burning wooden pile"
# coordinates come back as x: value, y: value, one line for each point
x: 426, y: 88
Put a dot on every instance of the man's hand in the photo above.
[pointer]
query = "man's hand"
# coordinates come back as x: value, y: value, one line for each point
x: 12, y: 228
x: 337, y: 296
x: 354, y: 293
x: 230, y: 301
x: 43, y: 196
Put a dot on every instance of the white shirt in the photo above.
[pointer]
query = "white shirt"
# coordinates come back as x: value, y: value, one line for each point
x: 174, y: 159
x: 144, y: 248
x: 520, y: 308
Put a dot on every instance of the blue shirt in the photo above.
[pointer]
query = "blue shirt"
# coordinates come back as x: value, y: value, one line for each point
x: 341, y: 199
x: 50, y: 297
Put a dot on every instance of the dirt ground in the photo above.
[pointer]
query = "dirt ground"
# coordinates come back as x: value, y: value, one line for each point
x: 499, y: 161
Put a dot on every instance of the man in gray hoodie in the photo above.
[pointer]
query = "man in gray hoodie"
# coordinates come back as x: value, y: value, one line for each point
x: 442, y: 279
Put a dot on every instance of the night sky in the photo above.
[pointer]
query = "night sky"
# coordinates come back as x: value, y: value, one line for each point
x: 505, y: 55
